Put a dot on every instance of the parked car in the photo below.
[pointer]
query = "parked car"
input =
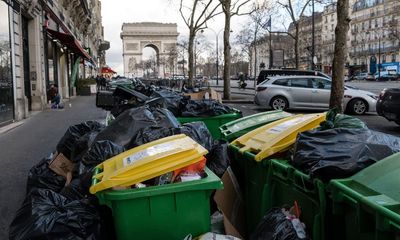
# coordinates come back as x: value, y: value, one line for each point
x: 360, y: 76
x: 370, y: 77
x: 388, y: 105
x: 386, y: 77
x: 264, y: 74
x: 310, y: 92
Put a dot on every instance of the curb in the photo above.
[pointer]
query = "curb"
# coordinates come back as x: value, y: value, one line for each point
x: 238, y: 101
x: 10, y: 127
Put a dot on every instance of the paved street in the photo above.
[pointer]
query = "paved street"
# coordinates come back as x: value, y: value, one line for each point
x: 27, y: 144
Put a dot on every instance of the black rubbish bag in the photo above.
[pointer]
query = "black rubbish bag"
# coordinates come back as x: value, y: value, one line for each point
x: 172, y: 99
x: 149, y: 134
x: 275, y: 225
x: 335, y: 120
x: 41, y: 176
x: 199, y: 132
x: 82, y: 145
x: 73, y: 133
x: 83, y: 172
x: 196, y: 130
x: 218, y: 159
x: 126, y: 126
x: 46, y: 214
x: 98, y: 153
x: 205, y: 108
x: 341, y: 152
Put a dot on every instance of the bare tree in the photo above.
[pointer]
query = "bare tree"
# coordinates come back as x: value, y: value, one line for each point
x: 195, y: 14
x: 259, y: 19
x: 339, y: 57
x: 230, y: 8
x: 296, y: 12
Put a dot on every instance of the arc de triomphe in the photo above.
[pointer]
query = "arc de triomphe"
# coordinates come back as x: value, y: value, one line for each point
x: 162, y: 37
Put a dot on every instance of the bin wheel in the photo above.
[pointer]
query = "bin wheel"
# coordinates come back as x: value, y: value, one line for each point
x: 279, y: 103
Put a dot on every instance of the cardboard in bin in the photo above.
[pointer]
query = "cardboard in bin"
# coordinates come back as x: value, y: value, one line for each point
x: 230, y: 202
x: 62, y: 166
x: 205, y: 94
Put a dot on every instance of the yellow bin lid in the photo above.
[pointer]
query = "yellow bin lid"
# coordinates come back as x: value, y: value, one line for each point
x: 277, y: 136
x: 147, y: 161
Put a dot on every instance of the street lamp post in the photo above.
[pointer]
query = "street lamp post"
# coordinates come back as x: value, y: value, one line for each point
x: 379, y: 57
x: 216, y: 40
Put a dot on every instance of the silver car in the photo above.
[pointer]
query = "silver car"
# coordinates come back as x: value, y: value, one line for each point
x: 310, y: 92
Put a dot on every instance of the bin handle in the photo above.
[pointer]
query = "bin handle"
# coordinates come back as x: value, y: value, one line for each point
x: 96, y: 171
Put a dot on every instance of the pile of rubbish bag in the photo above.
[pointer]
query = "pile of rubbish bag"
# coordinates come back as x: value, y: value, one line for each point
x: 124, y: 98
x: 341, y: 147
x: 58, y: 204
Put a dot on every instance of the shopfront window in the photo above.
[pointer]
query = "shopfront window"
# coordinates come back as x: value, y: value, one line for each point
x: 6, y: 84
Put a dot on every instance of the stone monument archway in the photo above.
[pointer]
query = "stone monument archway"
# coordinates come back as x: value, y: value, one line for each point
x: 162, y: 37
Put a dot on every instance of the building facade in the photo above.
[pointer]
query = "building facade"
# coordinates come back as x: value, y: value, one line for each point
x: 375, y: 36
x: 329, y: 22
x: 373, y: 39
x: 271, y: 51
x: 45, y: 42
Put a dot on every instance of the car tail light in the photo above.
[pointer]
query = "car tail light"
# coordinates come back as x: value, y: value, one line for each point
x: 259, y: 89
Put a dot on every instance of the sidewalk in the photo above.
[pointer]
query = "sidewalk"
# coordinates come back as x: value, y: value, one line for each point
x: 24, y: 146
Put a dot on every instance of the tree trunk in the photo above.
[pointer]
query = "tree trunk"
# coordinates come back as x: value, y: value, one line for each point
x: 191, y: 58
x: 339, y: 57
x: 296, y: 47
x: 227, y: 52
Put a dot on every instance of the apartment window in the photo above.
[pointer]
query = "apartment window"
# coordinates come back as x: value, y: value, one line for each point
x: 393, y: 57
x: 326, y: 19
x: 376, y: 22
x: 383, y: 58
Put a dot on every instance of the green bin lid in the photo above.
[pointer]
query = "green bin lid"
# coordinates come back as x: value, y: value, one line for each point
x: 382, y: 177
x: 253, y: 121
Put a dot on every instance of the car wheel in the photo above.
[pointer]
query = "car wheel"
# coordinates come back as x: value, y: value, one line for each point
x: 279, y: 103
x: 357, y: 106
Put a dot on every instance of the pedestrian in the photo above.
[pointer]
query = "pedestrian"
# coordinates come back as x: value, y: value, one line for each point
x: 103, y: 83
x: 98, y: 82
x: 54, y: 97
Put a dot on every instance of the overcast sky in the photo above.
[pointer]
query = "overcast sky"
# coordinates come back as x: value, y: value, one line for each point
x: 116, y: 12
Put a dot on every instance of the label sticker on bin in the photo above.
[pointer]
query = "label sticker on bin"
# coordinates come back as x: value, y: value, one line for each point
x: 151, y: 151
x: 147, y: 161
x: 277, y: 136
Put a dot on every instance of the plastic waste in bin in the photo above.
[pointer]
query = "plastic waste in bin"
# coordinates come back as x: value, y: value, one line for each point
x: 252, y: 151
x: 285, y: 185
x: 170, y: 211
x: 241, y: 126
x: 147, y: 161
x: 213, y: 123
x: 367, y: 205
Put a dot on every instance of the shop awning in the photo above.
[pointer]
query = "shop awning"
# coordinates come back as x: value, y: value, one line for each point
x: 107, y: 70
x: 70, y: 42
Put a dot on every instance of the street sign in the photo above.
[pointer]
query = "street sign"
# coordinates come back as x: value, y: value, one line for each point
x: 278, y: 58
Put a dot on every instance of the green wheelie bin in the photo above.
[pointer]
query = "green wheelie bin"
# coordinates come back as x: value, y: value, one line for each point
x: 241, y: 126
